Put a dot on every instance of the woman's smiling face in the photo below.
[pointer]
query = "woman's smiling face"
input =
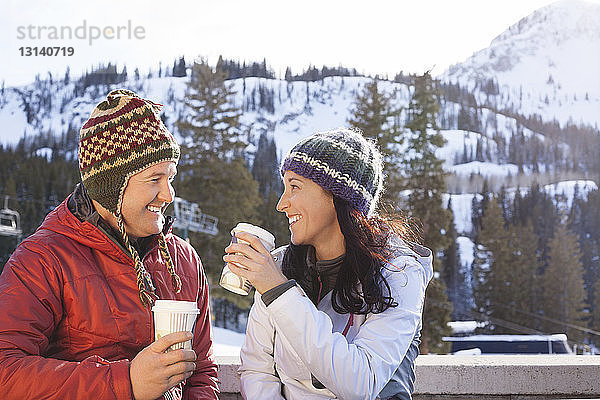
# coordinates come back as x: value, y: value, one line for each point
x: 310, y: 211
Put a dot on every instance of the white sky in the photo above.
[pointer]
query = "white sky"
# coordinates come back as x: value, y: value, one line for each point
x: 374, y: 37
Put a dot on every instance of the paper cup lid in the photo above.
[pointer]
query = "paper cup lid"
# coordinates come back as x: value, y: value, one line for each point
x: 176, y: 306
x: 261, y: 233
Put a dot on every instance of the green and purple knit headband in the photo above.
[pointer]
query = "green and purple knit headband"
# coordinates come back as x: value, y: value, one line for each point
x: 342, y: 162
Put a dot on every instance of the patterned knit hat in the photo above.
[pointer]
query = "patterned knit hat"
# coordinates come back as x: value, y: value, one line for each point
x: 343, y: 162
x: 123, y: 136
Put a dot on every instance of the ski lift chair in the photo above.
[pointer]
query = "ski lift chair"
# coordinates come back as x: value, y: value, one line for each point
x: 10, y: 222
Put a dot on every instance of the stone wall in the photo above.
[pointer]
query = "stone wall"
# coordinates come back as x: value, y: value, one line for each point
x: 503, y: 377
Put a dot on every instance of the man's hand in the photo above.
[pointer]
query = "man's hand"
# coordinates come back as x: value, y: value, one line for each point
x: 153, y: 371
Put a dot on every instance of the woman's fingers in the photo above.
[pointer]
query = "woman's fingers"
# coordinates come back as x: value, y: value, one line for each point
x: 254, y: 241
x: 238, y: 260
x: 242, y: 262
x: 241, y: 248
x: 240, y: 271
x: 255, y: 262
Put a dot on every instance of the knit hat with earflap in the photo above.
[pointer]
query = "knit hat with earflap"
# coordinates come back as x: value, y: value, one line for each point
x: 342, y: 162
x: 123, y: 136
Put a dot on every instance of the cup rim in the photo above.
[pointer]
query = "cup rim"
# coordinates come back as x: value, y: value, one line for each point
x: 256, y: 231
x: 176, y: 306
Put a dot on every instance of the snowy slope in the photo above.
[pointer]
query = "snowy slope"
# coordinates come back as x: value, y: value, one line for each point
x: 547, y: 43
x: 227, y: 342
x: 299, y: 109
x: 548, y: 63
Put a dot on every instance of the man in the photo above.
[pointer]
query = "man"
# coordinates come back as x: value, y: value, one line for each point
x: 76, y: 296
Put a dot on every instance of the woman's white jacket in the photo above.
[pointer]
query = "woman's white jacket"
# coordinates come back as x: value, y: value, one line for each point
x: 291, y: 339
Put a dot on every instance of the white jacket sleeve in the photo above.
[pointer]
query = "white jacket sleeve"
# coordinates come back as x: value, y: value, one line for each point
x: 258, y: 378
x: 357, y: 370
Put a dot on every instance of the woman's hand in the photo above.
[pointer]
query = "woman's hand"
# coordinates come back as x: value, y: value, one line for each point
x: 257, y: 264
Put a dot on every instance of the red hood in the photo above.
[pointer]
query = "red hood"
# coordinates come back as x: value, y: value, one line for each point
x: 61, y: 220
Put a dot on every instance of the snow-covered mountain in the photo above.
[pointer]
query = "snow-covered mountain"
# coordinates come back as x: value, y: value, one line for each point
x: 288, y: 111
x: 548, y: 64
x: 298, y: 109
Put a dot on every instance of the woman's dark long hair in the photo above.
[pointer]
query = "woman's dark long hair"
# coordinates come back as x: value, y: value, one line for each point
x: 367, y: 249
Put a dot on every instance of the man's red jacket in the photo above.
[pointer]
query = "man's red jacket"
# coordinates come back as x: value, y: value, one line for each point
x: 71, y: 318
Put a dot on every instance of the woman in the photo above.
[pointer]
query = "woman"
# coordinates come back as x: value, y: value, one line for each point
x: 337, y: 313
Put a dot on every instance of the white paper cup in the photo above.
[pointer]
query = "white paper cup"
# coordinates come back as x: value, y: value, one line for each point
x: 231, y: 281
x: 174, y: 316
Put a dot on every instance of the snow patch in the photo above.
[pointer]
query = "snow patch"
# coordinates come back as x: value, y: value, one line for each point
x: 226, y: 342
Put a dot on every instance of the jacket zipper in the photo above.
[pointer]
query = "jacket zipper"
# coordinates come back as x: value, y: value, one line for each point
x: 320, y: 288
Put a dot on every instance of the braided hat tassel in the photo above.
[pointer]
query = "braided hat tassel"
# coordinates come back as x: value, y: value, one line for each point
x: 144, y: 280
x: 175, y: 279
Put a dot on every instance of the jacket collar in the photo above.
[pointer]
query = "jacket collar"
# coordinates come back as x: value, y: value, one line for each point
x: 326, y: 270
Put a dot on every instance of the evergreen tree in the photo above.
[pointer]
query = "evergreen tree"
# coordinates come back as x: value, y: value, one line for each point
x: 436, y: 315
x: 212, y: 129
x: 506, y: 273
x: 563, y: 292
x: 426, y: 182
x: 214, y: 173
x: 528, y: 290
x: 478, y: 206
x: 34, y: 184
x: 265, y: 171
x: 377, y: 117
x: 426, y: 177
x: 540, y: 209
x: 453, y: 276
x: 66, y: 79
x: 179, y: 68
x: 490, y: 262
x: 585, y: 222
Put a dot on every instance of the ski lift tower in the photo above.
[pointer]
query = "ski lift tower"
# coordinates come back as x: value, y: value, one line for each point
x: 10, y: 221
x: 188, y: 217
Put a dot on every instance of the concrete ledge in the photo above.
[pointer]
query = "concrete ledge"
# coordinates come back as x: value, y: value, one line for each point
x: 510, y: 377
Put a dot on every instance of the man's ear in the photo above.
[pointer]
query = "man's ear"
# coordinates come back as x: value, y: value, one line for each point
x: 106, y: 215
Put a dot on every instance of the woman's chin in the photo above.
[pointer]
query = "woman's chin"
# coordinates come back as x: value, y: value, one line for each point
x: 295, y: 240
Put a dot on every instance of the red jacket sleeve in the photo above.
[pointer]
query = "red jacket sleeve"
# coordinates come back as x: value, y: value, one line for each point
x: 203, y: 383
x: 30, y: 309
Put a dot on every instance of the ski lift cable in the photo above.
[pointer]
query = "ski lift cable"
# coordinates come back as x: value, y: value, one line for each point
x: 497, y: 321
x: 569, y: 325
x: 520, y: 328
x: 510, y: 325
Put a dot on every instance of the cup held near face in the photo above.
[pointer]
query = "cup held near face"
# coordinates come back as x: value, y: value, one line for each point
x: 231, y: 281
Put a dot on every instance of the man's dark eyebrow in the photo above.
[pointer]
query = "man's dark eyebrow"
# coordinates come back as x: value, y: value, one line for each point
x: 294, y: 179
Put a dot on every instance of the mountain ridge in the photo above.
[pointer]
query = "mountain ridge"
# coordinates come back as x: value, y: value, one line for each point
x: 538, y: 64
